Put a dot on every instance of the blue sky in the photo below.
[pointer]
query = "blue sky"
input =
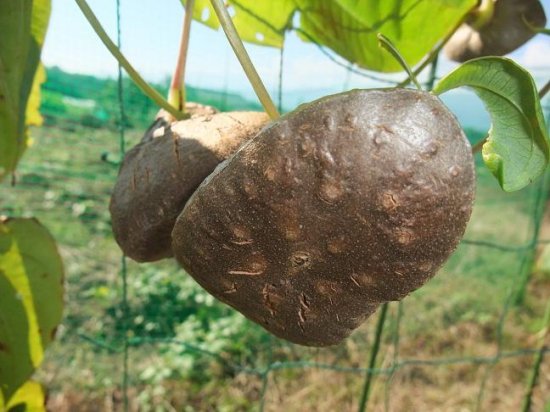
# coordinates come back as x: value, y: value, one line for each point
x: 151, y: 31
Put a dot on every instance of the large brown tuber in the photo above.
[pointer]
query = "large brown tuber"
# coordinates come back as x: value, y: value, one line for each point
x: 162, y: 171
x: 350, y: 201
x: 503, y: 32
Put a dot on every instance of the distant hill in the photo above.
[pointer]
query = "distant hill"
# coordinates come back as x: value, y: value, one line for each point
x: 93, y: 101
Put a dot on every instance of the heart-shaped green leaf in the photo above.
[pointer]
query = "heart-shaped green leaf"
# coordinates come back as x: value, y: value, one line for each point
x: 517, y: 150
x: 23, y: 25
x: 31, y: 303
x: 349, y: 27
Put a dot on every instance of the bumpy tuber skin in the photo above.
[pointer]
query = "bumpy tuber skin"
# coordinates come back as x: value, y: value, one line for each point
x: 162, y: 171
x: 504, y: 32
x: 350, y: 201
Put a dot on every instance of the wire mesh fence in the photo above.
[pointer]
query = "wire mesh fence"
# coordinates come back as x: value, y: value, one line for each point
x: 146, y: 337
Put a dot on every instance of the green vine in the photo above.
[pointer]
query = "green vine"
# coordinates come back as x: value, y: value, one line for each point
x: 483, y: 14
x: 434, y: 53
x: 539, y: 30
x: 117, y: 54
x: 176, y: 95
x: 244, y: 59
x: 388, y: 45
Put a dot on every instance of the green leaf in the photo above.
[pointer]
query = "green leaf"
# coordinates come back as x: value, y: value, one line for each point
x: 348, y: 27
x: 31, y: 287
x: 517, y: 150
x: 204, y: 13
x: 259, y: 22
x: 23, y: 25
x: 263, y: 22
x: 29, y: 398
x: 33, y: 116
x: 16, y: 364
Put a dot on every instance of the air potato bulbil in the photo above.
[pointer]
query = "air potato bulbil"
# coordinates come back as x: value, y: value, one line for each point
x: 159, y: 174
x: 348, y: 202
x: 502, y: 32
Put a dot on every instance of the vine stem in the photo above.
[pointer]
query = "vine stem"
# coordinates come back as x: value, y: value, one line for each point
x: 533, y: 378
x: 483, y: 14
x: 238, y: 47
x: 117, y: 54
x: 542, y: 92
x: 372, y: 361
x: 538, y: 30
x: 176, y: 95
x: 435, y: 52
x: 389, y: 46
x: 433, y: 73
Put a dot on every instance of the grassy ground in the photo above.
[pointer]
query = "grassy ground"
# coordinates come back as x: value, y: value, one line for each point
x: 449, y: 327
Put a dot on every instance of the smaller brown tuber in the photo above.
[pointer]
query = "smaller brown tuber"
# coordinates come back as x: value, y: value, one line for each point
x: 159, y: 174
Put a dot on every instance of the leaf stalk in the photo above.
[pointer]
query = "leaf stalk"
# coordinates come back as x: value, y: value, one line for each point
x: 238, y: 47
x: 389, y: 46
x: 117, y: 54
x: 176, y: 95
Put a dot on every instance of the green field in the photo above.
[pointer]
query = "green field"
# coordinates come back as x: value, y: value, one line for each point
x: 75, y: 99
